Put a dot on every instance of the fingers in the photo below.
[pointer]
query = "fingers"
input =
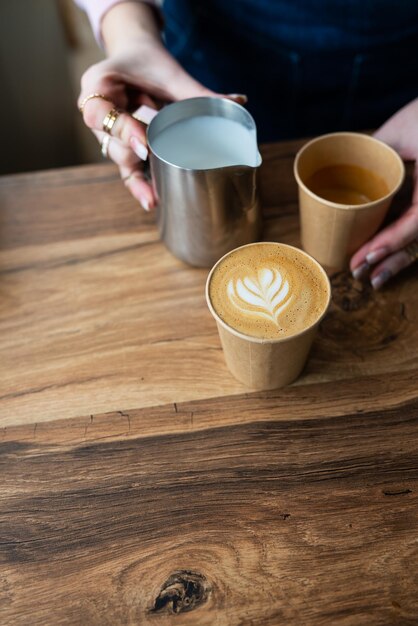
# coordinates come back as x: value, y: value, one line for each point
x: 141, y: 190
x: 126, y: 129
x: 392, y: 265
x: 118, y: 152
x: 386, y: 249
x: 389, y: 240
x: 130, y: 170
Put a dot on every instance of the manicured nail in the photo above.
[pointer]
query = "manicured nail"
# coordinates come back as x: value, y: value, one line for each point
x: 376, y: 255
x: 144, y: 114
x: 139, y: 148
x: 145, y: 203
x: 359, y: 271
x: 243, y: 99
x: 381, y: 279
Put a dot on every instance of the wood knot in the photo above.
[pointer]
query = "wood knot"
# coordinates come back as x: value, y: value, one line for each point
x: 183, y: 591
x: 360, y: 319
x: 349, y: 294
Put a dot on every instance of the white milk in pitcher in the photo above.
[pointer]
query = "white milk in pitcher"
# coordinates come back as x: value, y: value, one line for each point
x: 206, y: 142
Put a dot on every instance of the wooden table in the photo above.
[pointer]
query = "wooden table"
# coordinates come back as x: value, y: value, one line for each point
x: 140, y: 483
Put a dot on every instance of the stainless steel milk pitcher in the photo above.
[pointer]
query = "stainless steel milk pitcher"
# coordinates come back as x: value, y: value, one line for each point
x: 204, y: 213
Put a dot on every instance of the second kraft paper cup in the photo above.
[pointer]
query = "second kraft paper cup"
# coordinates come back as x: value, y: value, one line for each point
x: 332, y: 232
x: 262, y: 364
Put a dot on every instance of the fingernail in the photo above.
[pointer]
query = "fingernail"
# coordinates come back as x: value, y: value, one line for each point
x: 239, y: 96
x: 381, y: 279
x: 144, y: 114
x: 139, y: 148
x: 376, y: 255
x: 359, y: 271
x: 144, y: 202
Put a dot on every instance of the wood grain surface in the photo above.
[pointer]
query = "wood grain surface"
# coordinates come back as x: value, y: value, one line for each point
x: 141, y: 484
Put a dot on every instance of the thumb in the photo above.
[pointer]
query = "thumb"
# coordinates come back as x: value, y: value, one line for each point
x: 183, y: 85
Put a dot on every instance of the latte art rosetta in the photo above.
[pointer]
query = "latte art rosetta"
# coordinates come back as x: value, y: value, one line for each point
x: 268, y: 290
x: 267, y: 294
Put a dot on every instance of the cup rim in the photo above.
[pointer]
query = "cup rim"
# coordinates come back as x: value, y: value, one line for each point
x: 201, y: 99
x: 263, y: 340
x: 339, y: 205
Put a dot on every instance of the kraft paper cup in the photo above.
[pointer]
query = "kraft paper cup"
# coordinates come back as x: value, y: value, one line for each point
x: 262, y: 364
x: 332, y: 232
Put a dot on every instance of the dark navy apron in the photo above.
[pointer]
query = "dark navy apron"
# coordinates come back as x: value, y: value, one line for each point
x: 308, y: 67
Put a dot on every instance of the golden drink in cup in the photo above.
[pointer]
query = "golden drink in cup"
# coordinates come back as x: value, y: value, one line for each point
x: 346, y: 184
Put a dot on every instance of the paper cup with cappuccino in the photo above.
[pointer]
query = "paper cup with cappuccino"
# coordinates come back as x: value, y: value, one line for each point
x: 346, y: 184
x: 267, y: 299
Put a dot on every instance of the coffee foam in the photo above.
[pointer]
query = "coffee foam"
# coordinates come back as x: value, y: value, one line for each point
x: 268, y: 290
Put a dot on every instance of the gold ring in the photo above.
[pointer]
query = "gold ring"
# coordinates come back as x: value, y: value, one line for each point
x: 125, y: 179
x: 412, y: 250
x: 109, y: 120
x: 90, y: 97
x: 105, y: 146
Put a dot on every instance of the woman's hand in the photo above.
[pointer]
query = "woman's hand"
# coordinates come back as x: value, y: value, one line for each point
x: 139, y: 71
x: 385, y: 254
